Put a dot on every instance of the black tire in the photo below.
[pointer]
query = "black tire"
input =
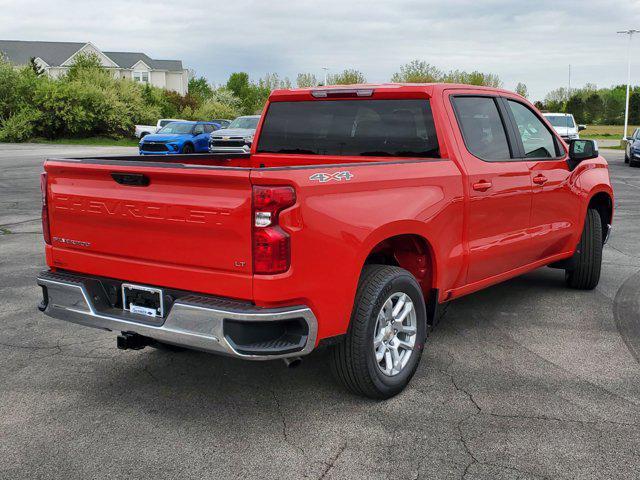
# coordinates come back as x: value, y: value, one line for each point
x: 626, y: 157
x: 143, y: 134
x: 353, y: 360
x: 634, y: 163
x: 187, y: 149
x: 586, y: 274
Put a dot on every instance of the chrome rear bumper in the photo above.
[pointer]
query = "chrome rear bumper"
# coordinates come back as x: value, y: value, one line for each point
x: 193, y: 321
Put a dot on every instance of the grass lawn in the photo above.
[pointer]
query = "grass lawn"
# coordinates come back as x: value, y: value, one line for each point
x: 92, y: 141
x: 605, y: 132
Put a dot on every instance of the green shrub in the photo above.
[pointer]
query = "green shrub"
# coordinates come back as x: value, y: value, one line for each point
x: 19, y: 127
x: 213, y: 109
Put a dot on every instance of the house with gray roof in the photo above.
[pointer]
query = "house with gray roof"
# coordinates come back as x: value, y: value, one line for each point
x: 55, y: 58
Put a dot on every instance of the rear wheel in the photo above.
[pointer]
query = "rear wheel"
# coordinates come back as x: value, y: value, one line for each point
x: 626, y: 157
x: 586, y: 274
x: 383, y: 346
x: 187, y: 149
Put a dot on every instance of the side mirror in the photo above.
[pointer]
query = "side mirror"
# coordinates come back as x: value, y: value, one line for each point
x: 580, y: 150
x: 582, y: 127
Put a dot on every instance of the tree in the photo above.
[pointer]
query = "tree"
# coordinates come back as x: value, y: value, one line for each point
x: 238, y: 83
x: 554, y: 101
x: 634, y: 107
x: 347, y: 77
x: 614, y: 101
x: 594, y: 108
x: 271, y: 81
x: 200, y: 89
x: 472, y: 78
x: 417, y: 71
x: 226, y: 97
x: 575, y: 106
x: 306, y: 80
x: 85, y: 63
x: 521, y: 89
x: 37, y: 69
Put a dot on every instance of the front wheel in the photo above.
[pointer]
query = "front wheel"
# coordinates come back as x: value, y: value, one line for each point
x: 383, y: 346
x: 626, y: 157
x: 187, y: 149
x: 634, y: 163
x: 586, y: 273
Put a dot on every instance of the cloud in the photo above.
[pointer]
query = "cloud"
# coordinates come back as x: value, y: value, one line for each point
x: 532, y: 42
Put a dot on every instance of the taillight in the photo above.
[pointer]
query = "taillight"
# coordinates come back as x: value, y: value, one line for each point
x: 271, y: 244
x: 46, y: 231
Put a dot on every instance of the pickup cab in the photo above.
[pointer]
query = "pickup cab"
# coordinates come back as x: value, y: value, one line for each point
x: 358, y: 212
x: 142, y: 131
x: 565, y: 125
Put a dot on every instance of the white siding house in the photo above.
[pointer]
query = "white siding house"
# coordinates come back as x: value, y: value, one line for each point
x: 55, y: 58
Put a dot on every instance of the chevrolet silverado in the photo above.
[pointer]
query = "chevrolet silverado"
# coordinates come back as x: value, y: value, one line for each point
x: 359, y: 210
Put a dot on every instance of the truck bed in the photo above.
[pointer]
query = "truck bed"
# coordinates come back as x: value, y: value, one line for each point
x: 181, y: 221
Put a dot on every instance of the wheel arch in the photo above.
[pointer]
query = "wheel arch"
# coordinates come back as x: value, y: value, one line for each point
x: 407, y: 248
x: 602, y: 202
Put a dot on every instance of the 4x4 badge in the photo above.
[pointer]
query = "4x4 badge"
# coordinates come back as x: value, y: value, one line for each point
x: 325, y: 177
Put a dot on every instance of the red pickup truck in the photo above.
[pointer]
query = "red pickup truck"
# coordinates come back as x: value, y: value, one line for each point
x: 358, y: 211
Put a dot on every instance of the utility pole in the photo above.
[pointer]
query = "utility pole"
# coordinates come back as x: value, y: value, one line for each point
x: 630, y: 33
x: 325, y: 75
x: 569, y: 91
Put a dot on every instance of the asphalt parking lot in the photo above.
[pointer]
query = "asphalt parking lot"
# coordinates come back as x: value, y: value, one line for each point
x: 524, y: 380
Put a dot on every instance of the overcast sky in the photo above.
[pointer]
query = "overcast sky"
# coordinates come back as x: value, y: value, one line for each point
x: 530, y: 41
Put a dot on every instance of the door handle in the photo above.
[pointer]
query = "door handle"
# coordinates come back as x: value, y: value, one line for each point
x: 482, y: 186
x: 540, y: 179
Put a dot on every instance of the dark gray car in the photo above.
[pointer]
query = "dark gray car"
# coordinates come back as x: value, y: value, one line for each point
x: 237, y: 137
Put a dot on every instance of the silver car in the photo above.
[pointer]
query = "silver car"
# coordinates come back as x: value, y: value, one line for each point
x: 237, y: 137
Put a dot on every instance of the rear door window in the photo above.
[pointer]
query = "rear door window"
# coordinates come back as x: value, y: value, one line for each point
x: 482, y: 127
x: 385, y: 128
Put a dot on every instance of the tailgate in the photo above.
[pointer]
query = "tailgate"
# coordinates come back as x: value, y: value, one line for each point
x: 182, y: 227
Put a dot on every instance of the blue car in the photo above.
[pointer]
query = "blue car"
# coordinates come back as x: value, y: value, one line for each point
x: 178, y: 138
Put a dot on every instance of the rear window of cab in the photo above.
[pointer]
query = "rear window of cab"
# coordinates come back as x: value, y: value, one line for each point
x: 380, y: 128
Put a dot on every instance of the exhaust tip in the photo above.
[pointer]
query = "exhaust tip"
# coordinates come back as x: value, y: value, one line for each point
x: 292, y: 362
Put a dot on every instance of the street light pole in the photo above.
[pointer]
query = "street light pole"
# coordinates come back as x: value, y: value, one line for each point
x: 325, y: 75
x: 626, y: 108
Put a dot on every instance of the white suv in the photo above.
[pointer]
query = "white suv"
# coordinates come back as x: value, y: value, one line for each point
x: 565, y: 125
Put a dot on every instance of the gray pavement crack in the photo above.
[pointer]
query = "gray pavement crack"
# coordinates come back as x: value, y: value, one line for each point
x: 283, y: 420
x: 11, y: 224
x: 329, y: 465
x: 479, y: 411
x: 27, y: 347
x: 621, y: 252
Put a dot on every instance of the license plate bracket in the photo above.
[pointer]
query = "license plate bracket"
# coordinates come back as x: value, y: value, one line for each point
x: 143, y: 300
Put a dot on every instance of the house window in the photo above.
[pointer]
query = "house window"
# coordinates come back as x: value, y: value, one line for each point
x: 142, y: 77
